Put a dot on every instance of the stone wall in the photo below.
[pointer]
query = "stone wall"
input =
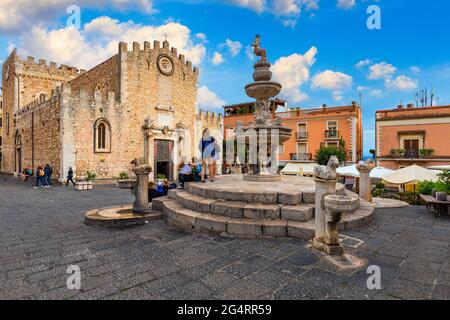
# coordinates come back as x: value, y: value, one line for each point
x: 24, y: 81
x: 38, y: 125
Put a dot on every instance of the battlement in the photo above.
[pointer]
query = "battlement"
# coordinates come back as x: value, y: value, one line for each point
x: 210, y: 117
x: 136, y: 48
x: 42, y: 66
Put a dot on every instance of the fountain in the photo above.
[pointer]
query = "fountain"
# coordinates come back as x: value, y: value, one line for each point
x: 267, y: 131
x: 138, y: 213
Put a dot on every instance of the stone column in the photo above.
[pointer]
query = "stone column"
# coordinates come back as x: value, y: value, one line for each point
x: 323, y: 188
x: 365, y: 186
x: 141, y: 205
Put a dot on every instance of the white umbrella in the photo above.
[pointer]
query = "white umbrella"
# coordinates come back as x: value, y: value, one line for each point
x: 351, y: 171
x: 348, y: 171
x: 411, y: 174
x: 380, y: 172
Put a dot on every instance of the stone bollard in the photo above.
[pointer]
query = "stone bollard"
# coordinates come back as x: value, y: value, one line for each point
x: 141, y: 205
x: 365, y: 186
x: 325, y: 178
x: 323, y: 188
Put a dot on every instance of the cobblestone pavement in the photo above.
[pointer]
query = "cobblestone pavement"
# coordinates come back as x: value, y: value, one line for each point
x: 42, y: 233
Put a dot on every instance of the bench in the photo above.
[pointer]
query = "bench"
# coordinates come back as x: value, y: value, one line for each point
x: 436, y: 207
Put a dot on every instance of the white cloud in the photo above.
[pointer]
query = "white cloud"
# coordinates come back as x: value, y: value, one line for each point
x: 362, y: 88
x: 382, y: 70
x: 376, y: 93
x: 16, y: 15
x: 337, y: 95
x: 311, y: 4
x: 255, y: 5
x: 286, y: 7
x: 346, y: 4
x: 292, y: 72
x: 249, y: 53
x: 234, y: 47
x: 99, y: 38
x: 217, y: 58
x: 363, y: 63
x: 402, y: 83
x: 415, y: 69
x: 208, y: 99
x: 331, y: 80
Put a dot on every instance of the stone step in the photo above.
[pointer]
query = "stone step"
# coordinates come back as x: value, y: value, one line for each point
x: 251, y: 196
x: 180, y: 217
x: 234, y: 209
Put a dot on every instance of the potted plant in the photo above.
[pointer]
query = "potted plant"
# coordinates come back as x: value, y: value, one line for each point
x: 423, y: 153
x: 124, y: 181
x: 401, y: 152
x: 86, y: 184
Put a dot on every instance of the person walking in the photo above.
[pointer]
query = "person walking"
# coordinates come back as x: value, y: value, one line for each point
x: 210, y: 154
x: 40, y: 177
x: 48, y: 171
x: 70, y: 177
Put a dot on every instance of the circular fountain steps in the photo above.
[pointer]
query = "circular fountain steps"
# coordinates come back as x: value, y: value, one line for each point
x: 220, y: 208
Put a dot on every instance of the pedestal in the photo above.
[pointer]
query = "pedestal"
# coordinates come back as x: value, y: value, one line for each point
x: 365, y: 187
x: 323, y: 188
x: 141, y: 205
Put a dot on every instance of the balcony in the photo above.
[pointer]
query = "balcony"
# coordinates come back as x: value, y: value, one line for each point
x: 331, y: 134
x: 302, y: 135
x: 301, y: 156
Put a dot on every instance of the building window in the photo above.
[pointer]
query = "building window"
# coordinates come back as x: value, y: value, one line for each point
x: 1, y: 122
x: 332, y: 144
x: 7, y: 123
x: 1, y: 141
x: 102, y: 136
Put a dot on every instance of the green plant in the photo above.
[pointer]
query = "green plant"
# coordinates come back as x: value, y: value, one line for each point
x: 90, y: 176
x: 426, y: 187
x: 124, y: 175
x: 409, y: 197
x: 324, y: 153
x: 161, y: 176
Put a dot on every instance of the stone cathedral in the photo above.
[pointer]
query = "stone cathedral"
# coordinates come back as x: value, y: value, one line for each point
x: 92, y: 120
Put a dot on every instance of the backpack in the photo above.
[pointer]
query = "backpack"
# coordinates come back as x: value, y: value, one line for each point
x: 41, y: 173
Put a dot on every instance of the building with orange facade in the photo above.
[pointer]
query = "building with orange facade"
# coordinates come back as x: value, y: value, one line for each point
x: 413, y: 135
x: 311, y: 128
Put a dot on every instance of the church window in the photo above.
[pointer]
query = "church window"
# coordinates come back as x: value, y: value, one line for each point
x: 102, y: 136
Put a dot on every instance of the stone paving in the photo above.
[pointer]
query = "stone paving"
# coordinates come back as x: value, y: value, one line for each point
x: 42, y: 233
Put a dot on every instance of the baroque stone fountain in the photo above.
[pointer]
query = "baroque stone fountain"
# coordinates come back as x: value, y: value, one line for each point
x: 267, y: 132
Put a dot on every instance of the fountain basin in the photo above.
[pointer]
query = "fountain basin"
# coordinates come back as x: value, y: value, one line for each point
x: 262, y: 90
x: 341, y: 204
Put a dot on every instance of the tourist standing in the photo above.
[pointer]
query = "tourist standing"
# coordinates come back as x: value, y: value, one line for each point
x: 48, y: 171
x: 210, y: 154
x: 70, y: 177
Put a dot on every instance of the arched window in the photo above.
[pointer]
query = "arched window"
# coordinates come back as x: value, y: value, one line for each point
x: 102, y: 136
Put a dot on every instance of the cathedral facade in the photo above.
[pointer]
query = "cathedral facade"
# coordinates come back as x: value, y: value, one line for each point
x: 93, y: 120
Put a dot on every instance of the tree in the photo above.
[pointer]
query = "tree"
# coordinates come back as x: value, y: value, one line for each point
x: 324, y: 154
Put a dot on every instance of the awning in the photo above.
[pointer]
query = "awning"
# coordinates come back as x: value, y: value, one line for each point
x: 411, y: 174
x: 298, y: 168
x: 351, y: 171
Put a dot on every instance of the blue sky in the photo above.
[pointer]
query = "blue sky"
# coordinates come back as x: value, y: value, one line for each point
x: 321, y: 50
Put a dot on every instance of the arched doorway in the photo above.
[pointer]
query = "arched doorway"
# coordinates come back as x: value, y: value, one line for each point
x: 18, y: 152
